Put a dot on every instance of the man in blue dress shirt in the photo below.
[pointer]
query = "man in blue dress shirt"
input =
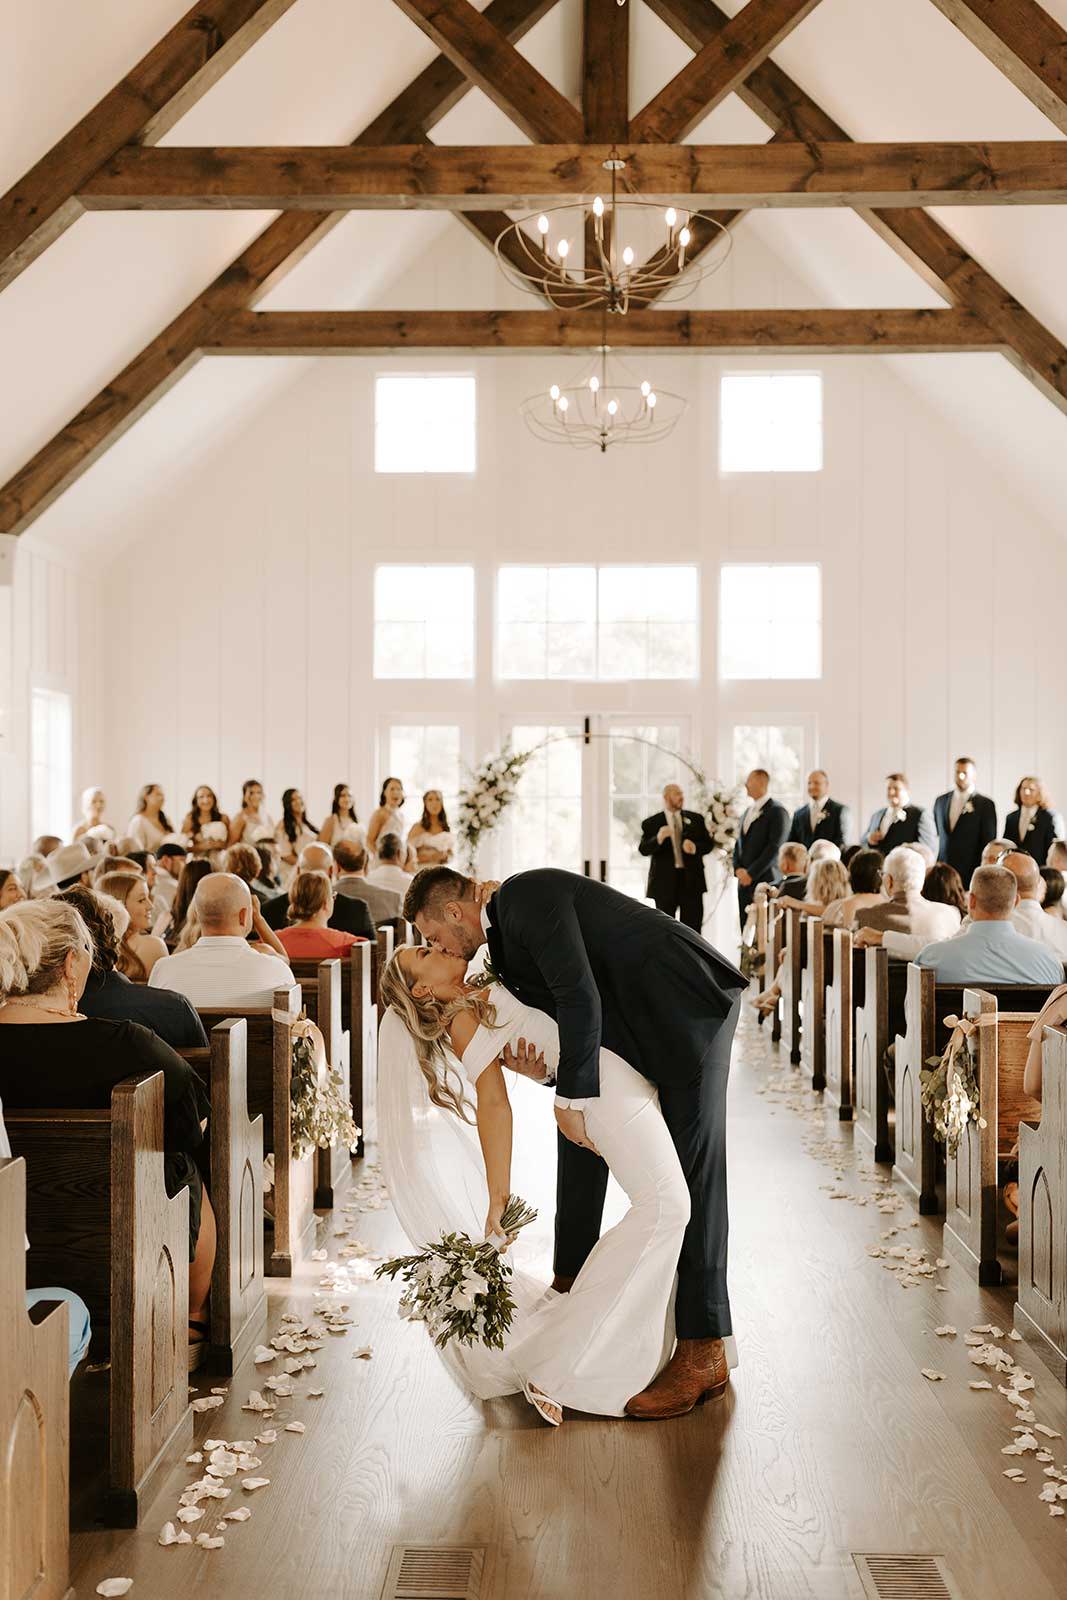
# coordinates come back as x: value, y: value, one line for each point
x: 990, y: 950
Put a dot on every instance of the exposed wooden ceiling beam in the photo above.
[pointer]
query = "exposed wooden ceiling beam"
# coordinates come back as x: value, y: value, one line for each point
x: 522, y: 177
x: 317, y: 333
x: 474, y: 44
x: 150, y: 99
x: 606, y: 71
x: 1020, y: 38
x: 266, y: 261
x: 720, y: 65
x: 913, y: 234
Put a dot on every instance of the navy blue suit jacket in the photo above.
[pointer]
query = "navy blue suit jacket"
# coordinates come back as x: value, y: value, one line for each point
x: 962, y: 845
x: 757, y: 850
x: 835, y: 826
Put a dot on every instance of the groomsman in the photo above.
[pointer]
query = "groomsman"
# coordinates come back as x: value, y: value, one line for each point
x: 821, y: 818
x: 764, y: 827
x: 898, y: 821
x: 677, y: 841
x: 966, y: 822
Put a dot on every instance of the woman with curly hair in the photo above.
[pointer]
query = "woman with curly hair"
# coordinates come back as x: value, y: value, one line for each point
x: 205, y: 826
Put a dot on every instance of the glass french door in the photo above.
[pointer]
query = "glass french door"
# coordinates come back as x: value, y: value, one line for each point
x: 585, y: 793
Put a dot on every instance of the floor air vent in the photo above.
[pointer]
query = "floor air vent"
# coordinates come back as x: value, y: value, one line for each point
x: 434, y: 1572
x: 906, y: 1577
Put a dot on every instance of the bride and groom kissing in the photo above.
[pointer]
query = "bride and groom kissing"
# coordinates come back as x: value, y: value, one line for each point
x: 633, y: 1016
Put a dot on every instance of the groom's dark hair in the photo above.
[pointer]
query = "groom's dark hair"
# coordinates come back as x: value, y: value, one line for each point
x: 432, y: 889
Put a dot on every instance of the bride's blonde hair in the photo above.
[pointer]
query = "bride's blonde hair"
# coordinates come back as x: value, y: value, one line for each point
x: 427, y: 1019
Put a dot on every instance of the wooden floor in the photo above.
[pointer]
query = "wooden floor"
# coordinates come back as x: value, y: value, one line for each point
x: 830, y: 1441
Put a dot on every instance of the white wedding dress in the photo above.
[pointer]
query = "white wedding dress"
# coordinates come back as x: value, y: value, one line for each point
x: 591, y: 1349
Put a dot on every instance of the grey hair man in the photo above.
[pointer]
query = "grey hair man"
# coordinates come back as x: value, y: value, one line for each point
x: 905, y: 911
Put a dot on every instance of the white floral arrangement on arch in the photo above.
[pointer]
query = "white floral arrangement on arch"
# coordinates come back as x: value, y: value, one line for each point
x: 722, y: 812
x: 493, y: 786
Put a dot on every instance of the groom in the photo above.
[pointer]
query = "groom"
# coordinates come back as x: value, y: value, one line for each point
x: 616, y: 973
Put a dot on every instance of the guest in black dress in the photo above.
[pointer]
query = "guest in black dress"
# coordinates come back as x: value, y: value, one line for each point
x: 46, y: 956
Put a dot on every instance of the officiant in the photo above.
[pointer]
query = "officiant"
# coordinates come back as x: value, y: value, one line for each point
x: 676, y: 841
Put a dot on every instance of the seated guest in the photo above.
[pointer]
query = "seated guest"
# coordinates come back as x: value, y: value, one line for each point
x: 1057, y: 856
x: 1053, y: 1014
x: 905, y: 910
x: 430, y: 837
x: 79, y: 1328
x: 995, y: 851
x: 205, y: 826
x: 94, y: 804
x: 1052, y: 901
x: 309, y: 935
x: 793, y: 873
x: 864, y: 889
x: 140, y: 950
x: 244, y: 863
x: 71, y: 864
x: 108, y: 993
x: 966, y: 821
x: 45, y: 844
x: 252, y: 820
x: 1029, y: 917
x: 35, y: 876
x: 46, y: 956
x: 944, y: 887
x: 823, y: 850
x: 267, y: 880
x: 384, y: 905
x: 149, y: 825
x: 221, y: 969
x: 389, y: 873
x: 294, y: 832
x: 349, y: 915
x: 826, y: 883
x: 170, y: 859
x: 189, y: 880
x: 991, y: 950
x: 1033, y: 826
x: 342, y: 823
x: 821, y: 818
x: 899, y: 821
x: 763, y: 831
x: 11, y: 890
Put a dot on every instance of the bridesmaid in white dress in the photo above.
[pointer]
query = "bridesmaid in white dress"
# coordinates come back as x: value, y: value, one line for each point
x: 293, y: 832
x: 342, y: 823
x: 602, y: 1343
x: 385, y: 819
x: 252, y: 821
x: 149, y: 824
x: 430, y: 838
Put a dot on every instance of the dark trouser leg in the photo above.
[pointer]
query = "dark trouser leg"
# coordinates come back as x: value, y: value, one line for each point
x: 696, y: 1117
x: 744, y: 900
x: 691, y: 901
x: 666, y: 898
x: 581, y: 1184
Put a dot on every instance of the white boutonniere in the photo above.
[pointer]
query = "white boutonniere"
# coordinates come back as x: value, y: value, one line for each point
x: 820, y: 818
x: 968, y: 810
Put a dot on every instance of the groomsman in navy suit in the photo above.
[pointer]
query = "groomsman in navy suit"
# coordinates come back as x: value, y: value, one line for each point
x: 821, y: 818
x: 966, y: 822
x: 764, y: 827
x: 898, y: 821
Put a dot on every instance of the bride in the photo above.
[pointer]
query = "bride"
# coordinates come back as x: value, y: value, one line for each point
x: 591, y: 1349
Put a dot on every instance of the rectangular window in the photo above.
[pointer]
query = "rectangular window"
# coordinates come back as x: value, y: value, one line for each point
x: 425, y: 756
x: 544, y: 825
x: 640, y: 765
x: 605, y: 623
x: 770, y: 621
x: 424, y: 622
x: 425, y: 422
x: 770, y: 422
x: 51, y: 763
x: 780, y: 751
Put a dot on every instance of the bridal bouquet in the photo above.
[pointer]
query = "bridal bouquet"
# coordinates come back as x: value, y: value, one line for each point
x: 460, y: 1288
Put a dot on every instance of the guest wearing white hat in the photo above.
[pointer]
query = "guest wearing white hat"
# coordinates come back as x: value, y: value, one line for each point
x: 71, y: 864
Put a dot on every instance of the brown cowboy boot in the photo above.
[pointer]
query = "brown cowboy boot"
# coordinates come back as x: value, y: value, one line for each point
x: 696, y: 1372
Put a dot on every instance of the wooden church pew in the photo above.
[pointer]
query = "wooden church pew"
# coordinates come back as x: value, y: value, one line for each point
x: 100, y: 1222
x: 791, y: 972
x: 870, y: 976
x: 813, y: 998
x: 269, y: 1071
x: 381, y: 955
x: 972, y: 1187
x: 322, y: 985
x: 776, y: 952
x: 238, y: 1290
x: 838, y: 982
x: 34, y: 1419
x: 1041, y: 1309
x: 358, y: 1021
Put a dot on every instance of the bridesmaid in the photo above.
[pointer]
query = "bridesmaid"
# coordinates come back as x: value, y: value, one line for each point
x: 293, y: 832
x: 1033, y: 826
x: 430, y: 838
x: 251, y: 821
x: 94, y: 804
x: 342, y: 823
x: 205, y: 826
x: 149, y: 824
x: 386, y: 818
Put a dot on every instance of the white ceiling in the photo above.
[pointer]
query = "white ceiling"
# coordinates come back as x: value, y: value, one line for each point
x: 885, y: 69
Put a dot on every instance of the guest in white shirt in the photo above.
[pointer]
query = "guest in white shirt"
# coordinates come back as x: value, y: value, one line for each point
x: 221, y: 969
x: 1028, y: 916
x: 389, y: 874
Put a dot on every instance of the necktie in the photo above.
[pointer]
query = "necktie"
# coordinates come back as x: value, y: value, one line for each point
x: 676, y: 837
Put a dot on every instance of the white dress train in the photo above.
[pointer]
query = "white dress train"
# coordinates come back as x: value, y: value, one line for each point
x: 594, y: 1348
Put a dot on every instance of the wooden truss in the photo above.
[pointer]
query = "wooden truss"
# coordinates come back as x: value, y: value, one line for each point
x: 110, y: 160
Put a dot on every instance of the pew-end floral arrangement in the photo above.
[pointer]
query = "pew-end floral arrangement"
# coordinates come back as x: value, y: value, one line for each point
x: 320, y: 1115
x: 459, y: 1288
x: 950, y: 1095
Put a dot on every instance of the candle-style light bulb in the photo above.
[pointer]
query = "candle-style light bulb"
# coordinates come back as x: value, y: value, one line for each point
x: 628, y: 257
x: 563, y: 402
x: 598, y: 207
x: 646, y: 388
x: 652, y: 398
x: 553, y: 393
x: 670, y: 216
x: 542, y: 225
x: 613, y: 406
x: 684, y: 237
x: 564, y: 249
x: 594, y: 383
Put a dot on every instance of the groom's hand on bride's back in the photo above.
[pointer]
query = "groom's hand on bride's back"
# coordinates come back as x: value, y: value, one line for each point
x: 527, y: 1059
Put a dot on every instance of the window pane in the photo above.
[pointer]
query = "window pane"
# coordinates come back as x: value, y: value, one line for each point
x: 770, y: 422
x: 425, y: 757
x: 770, y: 621
x: 544, y: 826
x: 424, y: 622
x: 608, y: 623
x: 639, y: 769
x: 425, y: 422
x: 780, y: 750
x: 51, y: 762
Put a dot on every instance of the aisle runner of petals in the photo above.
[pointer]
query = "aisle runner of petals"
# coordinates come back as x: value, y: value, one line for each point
x: 911, y: 1268
x: 295, y: 1346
